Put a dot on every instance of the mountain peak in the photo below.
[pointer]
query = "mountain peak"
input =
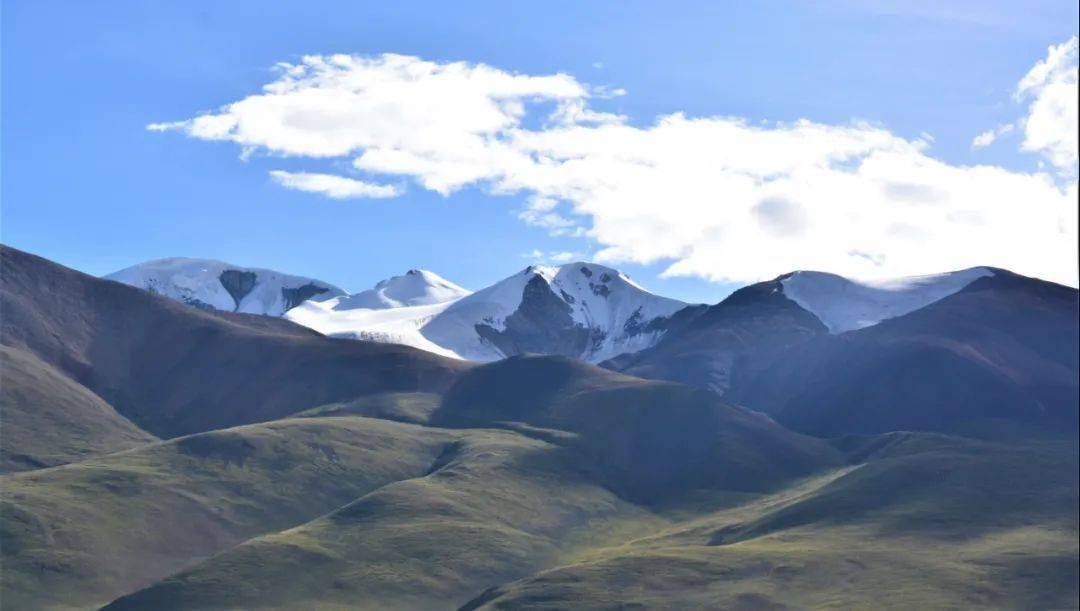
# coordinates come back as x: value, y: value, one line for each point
x: 414, y: 288
x: 578, y: 309
x: 217, y: 285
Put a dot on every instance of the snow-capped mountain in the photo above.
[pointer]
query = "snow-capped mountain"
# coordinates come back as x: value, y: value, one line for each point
x: 737, y: 343
x: 216, y: 285
x: 417, y: 287
x: 582, y: 310
x: 844, y: 305
x: 392, y: 312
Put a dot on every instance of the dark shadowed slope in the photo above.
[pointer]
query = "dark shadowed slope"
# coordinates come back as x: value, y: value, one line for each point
x: 47, y: 419
x: 997, y: 355
x: 729, y: 343
x: 173, y: 369
x: 647, y: 440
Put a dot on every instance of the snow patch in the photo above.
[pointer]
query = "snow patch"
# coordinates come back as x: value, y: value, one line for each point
x: 391, y: 325
x: 198, y: 283
x: 415, y: 288
x: 845, y: 305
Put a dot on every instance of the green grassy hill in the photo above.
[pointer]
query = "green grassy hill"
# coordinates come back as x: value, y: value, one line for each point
x: 85, y: 533
x: 932, y: 523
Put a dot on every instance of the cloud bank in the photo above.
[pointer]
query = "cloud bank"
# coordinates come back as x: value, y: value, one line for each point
x: 717, y: 197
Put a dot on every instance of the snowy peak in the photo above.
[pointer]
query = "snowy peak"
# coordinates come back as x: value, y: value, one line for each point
x: 217, y: 285
x: 583, y: 310
x: 415, y: 288
x: 845, y: 305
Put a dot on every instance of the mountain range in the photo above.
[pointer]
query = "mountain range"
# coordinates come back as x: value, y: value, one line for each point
x: 805, y: 347
x: 582, y: 310
x: 809, y: 441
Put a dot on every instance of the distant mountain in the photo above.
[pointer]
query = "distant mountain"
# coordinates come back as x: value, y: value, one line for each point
x: 844, y: 305
x: 417, y: 287
x: 392, y: 312
x: 968, y: 351
x: 215, y: 285
x: 583, y: 310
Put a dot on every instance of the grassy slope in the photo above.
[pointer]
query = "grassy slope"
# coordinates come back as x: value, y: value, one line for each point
x: 412, y: 407
x: 592, y: 450
x: 930, y: 522
x: 85, y: 533
x: 498, y: 508
x: 48, y: 419
x: 917, y: 520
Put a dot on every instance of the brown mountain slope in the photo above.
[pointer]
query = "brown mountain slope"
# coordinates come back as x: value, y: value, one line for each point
x: 173, y: 369
x: 1001, y: 355
x: 47, y: 419
x: 644, y: 439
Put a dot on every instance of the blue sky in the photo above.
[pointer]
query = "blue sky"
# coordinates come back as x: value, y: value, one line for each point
x: 85, y: 183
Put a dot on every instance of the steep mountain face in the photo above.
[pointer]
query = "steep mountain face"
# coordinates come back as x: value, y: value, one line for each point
x: 975, y: 349
x: 582, y: 310
x: 221, y: 286
x: 173, y: 369
x: 734, y: 340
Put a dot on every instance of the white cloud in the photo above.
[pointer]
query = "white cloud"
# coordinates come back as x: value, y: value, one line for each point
x: 539, y: 212
x: 717, y: 197
x: 551, y: 256
x: 988, y: 137
x: 330, y: 185
x: 1050, y: 126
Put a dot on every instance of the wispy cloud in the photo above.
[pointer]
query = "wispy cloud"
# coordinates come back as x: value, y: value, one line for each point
x: 557, y: 257
x: 989, y: 136
x: 718, y: 197
x: 331, y: 185
x: 1050, y: 127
